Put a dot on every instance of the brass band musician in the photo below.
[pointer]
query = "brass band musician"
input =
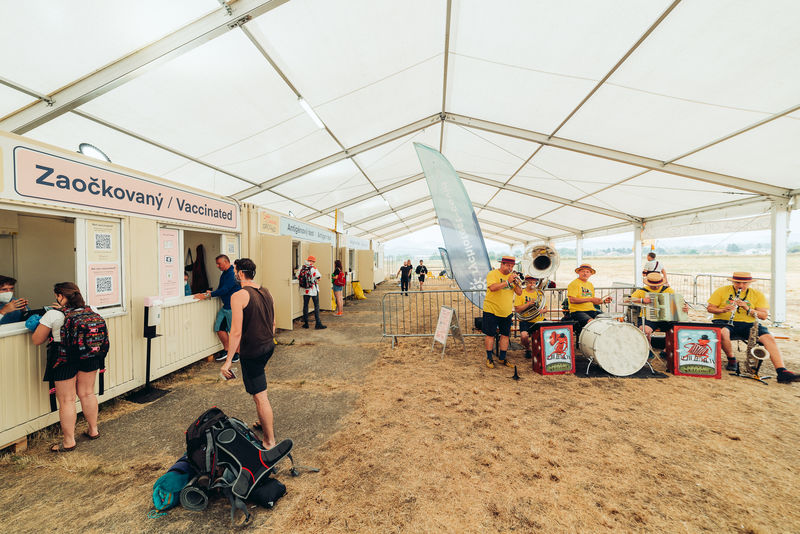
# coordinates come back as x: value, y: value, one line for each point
x: 582, y: 301
x: 654, y: 283
x: 529, y: 298
x: 736, y: 307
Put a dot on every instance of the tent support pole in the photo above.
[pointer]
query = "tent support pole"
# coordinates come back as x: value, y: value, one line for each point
x: 779, y: 215
x: 637, y: 255
x: 578, y: 249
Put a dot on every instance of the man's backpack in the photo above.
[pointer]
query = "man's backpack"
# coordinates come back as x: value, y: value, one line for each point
x: 228, y: 456
x: 84, y: 336
x: 304, y: 277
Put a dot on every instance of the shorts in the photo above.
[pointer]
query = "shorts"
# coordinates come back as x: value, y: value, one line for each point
x: 68, y: 370
x: 223, y: 321
x: 740, y: 330
x: 491, y: 324
x: 422, y: 278
x: 338, y: 289
x: 253, y: 375
x: 662, y: 326
x: 527, y: 326
x: 583, y: 317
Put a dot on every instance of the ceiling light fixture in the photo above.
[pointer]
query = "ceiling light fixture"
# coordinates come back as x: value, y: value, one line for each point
x: 310, y: 112
x: 93, y: 152
x: 291, y: 214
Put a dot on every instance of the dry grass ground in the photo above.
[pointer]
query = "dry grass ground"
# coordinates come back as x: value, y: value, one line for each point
x: 446, y: 445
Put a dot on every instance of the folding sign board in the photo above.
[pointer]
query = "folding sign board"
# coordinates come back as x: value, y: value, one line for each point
x: 694, y: 350
x: 553, y: 348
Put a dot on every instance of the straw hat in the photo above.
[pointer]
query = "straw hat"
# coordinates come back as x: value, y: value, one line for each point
x: 741, y: 276
x: 585, y: 266
x: 508, y: 259
x: 654, y: 279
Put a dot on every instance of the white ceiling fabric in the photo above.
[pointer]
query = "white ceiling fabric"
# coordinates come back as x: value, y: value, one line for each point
x: 549, y: 110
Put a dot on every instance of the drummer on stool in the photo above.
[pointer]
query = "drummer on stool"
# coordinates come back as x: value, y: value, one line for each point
x: 580, y: 293
x: 529, y: 298
x: 653, y: 283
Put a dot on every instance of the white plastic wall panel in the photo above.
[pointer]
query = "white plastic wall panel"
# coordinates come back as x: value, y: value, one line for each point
x: 542, y: 229
x: 652, y: 125
x: 485, y: 154
x: 578, y: 218
x: 268, y: 199
x: 12, y: 100
x: 205, y: 179
x: 407, y: 193
x: 493, y: 216
x: 396, y: 160
x: 479, y: 192
x: 380, y: 221
x: 585, y: 173
x: 530, y: 63
x: 727, y: 53
x: 656, y: 193
x: 427, y: 205
x: 406, y: 97
x: 327, y: 186
x: 218, y: 94
x: 364, y: 209
x: 360, y: 60
x: 765, y: 154
x: 326, y: 221
x: 56, y: 43
x: 276, y: 150
x: 68, y: 131
x: 522, y: 204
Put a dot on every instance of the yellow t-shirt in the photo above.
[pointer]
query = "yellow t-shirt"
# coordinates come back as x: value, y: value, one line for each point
x: 580, y: 289
x: 500, y: 302
x: 725, y: 294
x: 640, y: 293
x: 526, y: 297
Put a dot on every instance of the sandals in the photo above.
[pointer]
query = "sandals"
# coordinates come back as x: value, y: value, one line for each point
x: 257, y: 425
x: 59, y: 448
x: 89, y: 436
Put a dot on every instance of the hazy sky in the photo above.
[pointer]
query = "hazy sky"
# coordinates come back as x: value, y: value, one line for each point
x: 431, y: 239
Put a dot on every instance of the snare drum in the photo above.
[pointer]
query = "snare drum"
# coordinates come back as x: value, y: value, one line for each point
x: 619, y: 348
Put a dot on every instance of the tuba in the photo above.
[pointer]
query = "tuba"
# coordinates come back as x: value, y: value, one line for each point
x: 541, y: 262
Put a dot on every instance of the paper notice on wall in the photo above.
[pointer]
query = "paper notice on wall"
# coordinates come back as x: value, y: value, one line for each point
x: 102, y: 242
x: 170, y: 263
x: 268, y: 223
x: 104, y: 285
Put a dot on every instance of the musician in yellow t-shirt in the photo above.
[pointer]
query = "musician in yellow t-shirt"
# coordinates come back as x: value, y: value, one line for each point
x: 529, y: 298
x: 653, y: 283
x: 501, y: 286
x: 735, y: 308
x: 580, y: 293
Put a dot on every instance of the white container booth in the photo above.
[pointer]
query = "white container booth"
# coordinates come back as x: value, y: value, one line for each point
x: 279, y: 245
x: 361, y: 260
x: 121, y: 236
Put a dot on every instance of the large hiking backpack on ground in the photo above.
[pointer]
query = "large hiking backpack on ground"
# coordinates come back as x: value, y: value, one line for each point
x: 228, y: 456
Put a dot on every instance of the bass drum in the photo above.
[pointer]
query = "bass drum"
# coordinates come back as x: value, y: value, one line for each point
x: 619, y: 348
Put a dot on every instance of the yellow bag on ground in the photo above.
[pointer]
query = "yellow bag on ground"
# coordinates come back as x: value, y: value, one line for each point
x: 333, y: 300
x: 358, y: 291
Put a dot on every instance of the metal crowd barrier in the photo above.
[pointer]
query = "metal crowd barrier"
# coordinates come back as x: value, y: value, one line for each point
x: 416, y: 314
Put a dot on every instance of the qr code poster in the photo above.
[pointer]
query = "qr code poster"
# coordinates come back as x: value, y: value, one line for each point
x: 169, y: 265
x: 104, y: 284
x: 102, y: 242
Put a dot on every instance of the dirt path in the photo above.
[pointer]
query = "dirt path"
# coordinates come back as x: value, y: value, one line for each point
x: 105, y: 485
x: 409, y: 442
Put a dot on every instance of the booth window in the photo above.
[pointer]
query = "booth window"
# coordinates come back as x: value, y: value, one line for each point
x: 38, y: 251
x: 296, y: 260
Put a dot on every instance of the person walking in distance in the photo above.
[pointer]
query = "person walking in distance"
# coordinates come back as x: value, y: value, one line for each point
x: 308, y: 278
x: 405, y: 276
x: 421, y: 272
x: 253, y: 328
x: 339, y: 279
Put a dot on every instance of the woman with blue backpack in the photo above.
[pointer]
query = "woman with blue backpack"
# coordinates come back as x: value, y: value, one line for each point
x: 78, y: 344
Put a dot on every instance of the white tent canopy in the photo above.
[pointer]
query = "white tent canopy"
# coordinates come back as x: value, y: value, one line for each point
x: 564, y: 119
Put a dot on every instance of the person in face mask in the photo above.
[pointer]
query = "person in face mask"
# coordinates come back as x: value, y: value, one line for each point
x: 10, y: 309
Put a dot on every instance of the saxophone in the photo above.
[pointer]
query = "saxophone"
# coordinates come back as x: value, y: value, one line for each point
x: 754, y: 354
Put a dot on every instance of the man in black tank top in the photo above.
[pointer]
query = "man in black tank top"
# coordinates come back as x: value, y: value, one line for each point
x: 253, y: 330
